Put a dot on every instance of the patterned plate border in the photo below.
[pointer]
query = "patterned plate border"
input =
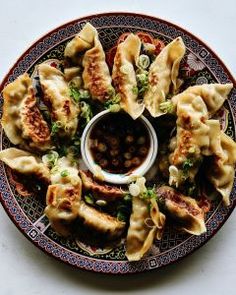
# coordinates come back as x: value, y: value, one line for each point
x: 124, y: 19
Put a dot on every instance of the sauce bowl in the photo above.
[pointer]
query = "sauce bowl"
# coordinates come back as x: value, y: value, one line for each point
x: 117, y: 178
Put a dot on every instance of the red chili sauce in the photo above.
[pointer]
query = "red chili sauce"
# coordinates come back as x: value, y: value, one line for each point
x: 118, y: 143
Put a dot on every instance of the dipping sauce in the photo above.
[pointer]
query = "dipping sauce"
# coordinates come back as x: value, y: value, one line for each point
x: 118, y: 143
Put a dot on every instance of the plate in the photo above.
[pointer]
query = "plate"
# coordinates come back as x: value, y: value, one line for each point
x: 200, y: 65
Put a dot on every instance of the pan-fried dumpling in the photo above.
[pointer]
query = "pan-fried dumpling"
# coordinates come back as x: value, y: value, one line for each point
x: 193, y: 107
x: 213, y: 95
x: 100, y: 222
x: 22, y: 121
x: 146, y: 224
x: 86, y: 47
x: 56, y: 96
x: 184, y: 209
x: 83, y: 41
x: 124, y: 77
x: 63, y: 196
x: 101, y: 190
x: 221, y: 165
x: 192, y: 136
x: 63, y: 202
x: 25, y: 163
x: 163, y: 76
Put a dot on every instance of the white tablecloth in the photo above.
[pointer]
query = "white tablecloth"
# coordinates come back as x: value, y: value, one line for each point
x: 26, y: 270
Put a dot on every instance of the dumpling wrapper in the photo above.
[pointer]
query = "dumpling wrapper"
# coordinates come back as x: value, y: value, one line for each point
x: 56, y: 96
x: 213, y: 95
x: 191, y: 138
x: 124, y: 76
x: 163, y: 76
x: 100, y: 222
x: 63, y: 203
x: 193, y: 108
x: 83, y: 41
x: 144, y: 227
x: 102, y: 191
x: 184, y: 209
x: 25, y: 163
x: 221, y: 165
x: 22, y: 121
x: 86, y: 47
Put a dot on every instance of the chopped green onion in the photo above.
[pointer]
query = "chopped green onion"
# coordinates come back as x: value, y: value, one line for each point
x: 79, y: 94
x: 114, y: 108
x: 127, y: 198
x: 150, y: 193
x: 89, y: 199
x: 135, y: 90
x: 167, y: 107
x: 186, y: 166
x: 64, y: 173
x: 52, y: 158
x: 111, y: 92
x: 56, y: 126
x: 114, y: 101
x: 86, y: 111
x: 143, y: 61
x: 142, y: 82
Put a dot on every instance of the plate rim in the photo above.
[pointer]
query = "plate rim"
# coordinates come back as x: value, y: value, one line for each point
x: 119, y: 13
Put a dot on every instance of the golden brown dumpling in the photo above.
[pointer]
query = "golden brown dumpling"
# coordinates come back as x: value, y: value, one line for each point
x: 146, y: 224
x: 22, y: 121
x: 100, y: 222
x: 124, y: 77
x: 184, y: 209
x: 220, y: 171
x: 63, y: 203
x: 56, y: 96
x: 213, y: 95
x: 163, y: 76
x: 100, y: 190
x: 86, y: 49
x: 25, y: 163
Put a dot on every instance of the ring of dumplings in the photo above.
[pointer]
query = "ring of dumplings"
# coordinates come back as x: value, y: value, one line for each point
x: 141, y: 81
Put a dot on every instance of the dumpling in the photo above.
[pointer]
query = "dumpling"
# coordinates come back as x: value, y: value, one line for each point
x: 184, y: 209
x: 124, y: 77
x: 213, y: 95
x: 63, y: 203
x: 65, y: 206
x: 83, y: 41
x: 101, y: 190
x: 63, y: 196
x: 100, y: 222
x: 22, y: 121
x: 193, y: 108
x: 221, y: 165
x: 191, y: 138
x: 56, y: 96
x: 146, y: 224
x: 163, y: 76
x: 86, y: 47
x: 25, y: 163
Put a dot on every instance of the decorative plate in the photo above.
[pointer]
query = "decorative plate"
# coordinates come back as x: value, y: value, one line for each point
x: 200, y: 65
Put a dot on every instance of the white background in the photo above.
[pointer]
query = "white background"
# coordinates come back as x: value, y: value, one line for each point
x: 26, y: 270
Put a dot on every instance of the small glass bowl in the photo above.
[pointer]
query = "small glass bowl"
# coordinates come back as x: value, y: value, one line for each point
x: 112, y: 177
